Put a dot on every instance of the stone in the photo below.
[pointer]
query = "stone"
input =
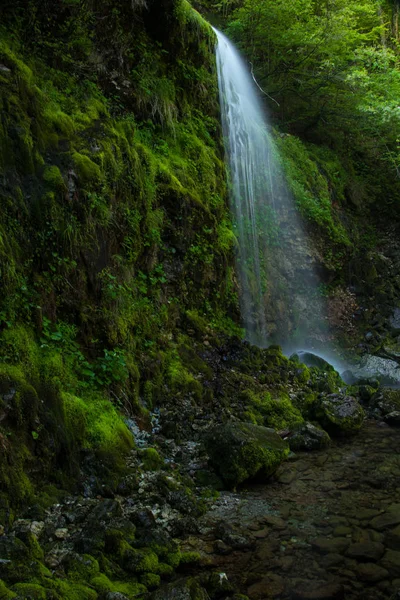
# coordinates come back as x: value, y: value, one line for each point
x: 368, y: 551
x: 275, y: 522
x: 335, y: 545
x: 391, y: 562
x: 375, y: 367
x: 184, y: 589
x: 339, y: 414
x: 221, y: 548
x: 314, y: 590
x: 332, y: 560
x: 62, y: 533
x: 240, y: 451
x: 307, y: 436
x: 385, y: 521
x: 386, y: 400
x: 392, y: 538
x: 271, y: 586
x: 341, y: 530
x: 393, y: 418
x: 371, y: 572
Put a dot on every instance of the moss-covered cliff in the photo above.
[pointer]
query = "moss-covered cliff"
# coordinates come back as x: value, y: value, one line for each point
x: 115, y: 231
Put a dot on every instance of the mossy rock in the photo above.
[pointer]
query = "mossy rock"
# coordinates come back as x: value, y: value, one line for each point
x: 387, y: 400
x: 339, y: 414
x: 82, y: 567
x: 240, y: 451
x: 152, y: 461
x: 307, y: 436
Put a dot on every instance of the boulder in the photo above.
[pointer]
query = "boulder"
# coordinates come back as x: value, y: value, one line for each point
x: 313, y: 360
x: 307, y: 436
x: 339, y: 414
x: 371, y: 367
x: 240, y: 451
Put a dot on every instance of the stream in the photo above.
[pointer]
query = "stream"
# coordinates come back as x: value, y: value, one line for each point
x: 326, y: 527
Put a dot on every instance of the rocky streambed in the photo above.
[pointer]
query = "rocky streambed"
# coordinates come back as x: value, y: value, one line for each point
x: 326, y: 527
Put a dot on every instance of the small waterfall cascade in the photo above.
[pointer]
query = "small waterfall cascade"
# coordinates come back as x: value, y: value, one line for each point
x: 278, y: 286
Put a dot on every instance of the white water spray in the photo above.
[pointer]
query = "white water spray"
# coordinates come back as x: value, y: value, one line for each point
x: 278, y: 287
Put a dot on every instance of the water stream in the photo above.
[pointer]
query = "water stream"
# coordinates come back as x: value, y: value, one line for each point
x: 278, y: 285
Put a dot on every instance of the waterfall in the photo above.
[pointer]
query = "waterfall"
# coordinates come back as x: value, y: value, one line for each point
x: 278, y: 287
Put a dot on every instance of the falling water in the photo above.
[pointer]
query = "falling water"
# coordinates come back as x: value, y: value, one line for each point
x: 278, y: 286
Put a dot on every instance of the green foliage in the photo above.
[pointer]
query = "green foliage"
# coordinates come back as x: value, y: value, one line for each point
x: 333, y: 70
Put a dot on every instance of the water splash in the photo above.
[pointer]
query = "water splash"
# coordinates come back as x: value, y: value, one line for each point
x: 278, y: 286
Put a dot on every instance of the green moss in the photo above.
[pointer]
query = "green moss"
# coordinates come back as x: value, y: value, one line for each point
x: 189, y: 558
x: 179, y: 378
x: 88, y: 171
x: 263, y: 409
x: 82, y: 568
x: 150, y: 580
x: 5, y: 593
x: 53, y: 177
x: 152, y: 461
x: 30, y: 590
x: 96, y: 424
x: 72, y: 591
x: 311, y: 186
x: 141, y: 561
x: 173, y: 559
x: 164, y: 569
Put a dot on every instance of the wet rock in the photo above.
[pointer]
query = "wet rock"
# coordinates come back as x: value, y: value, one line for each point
x: 307, y: 436
x: 375, y: 367
x: 271, y: 586
x: 371, y: 572
x: 393, y: 418
x: 366, y: 551
x: 335, y: 545
x: 392, y: 539
x: 314, y: 590
x: 391, y: 562
x: 240, y: 451
x: 221, y: 548
x: 217, y: 584
x: 387, y: 520
x: 275, y: 522
x: 387, y: 401
x: 185, y: 589
x: 394, y: 321
x: 332, y: 560
x: 231, y: 538
x: 12, y: 548
x: 339, y: 414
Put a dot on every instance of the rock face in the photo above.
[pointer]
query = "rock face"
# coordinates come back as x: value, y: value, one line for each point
x: 339, y: 414
x: 307, y: 436
x: 240, y: 451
